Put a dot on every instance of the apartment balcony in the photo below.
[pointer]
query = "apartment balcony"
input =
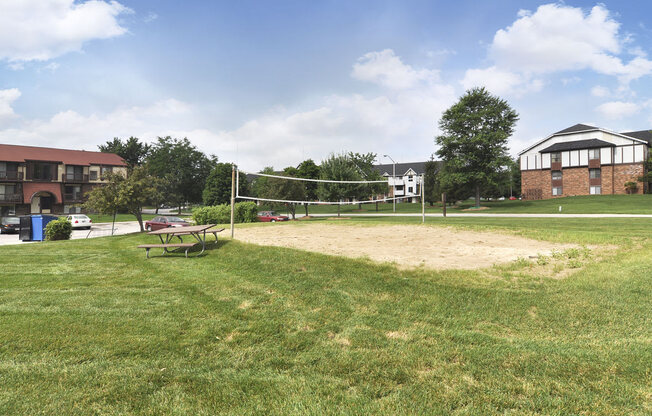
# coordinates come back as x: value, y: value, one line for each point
x: 11, y: 176
x: 74, y: 178
x: 12, y: 198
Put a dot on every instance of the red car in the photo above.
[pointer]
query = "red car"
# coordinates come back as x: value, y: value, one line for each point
x: 271, y: 216
x: 165, y: 222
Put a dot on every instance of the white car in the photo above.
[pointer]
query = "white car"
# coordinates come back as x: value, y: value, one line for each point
x: 80, y: 221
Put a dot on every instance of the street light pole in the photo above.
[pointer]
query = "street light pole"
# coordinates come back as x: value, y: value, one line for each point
x: 393, y: 181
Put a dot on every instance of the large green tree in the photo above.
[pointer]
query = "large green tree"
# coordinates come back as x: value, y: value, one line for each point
x: 286, y: 189
x: 218, y: 185
x: 308, y: 169
x: 183, y: 166
x: 364, y: 163
x: 473, y: 143
x: 338, y: 167
x: 132, y: 150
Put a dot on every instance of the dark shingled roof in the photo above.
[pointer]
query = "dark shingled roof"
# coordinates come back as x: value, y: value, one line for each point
x: 577, y: 145
x: 401, y: 168
x: 576, y: 128
x: 641, y: 135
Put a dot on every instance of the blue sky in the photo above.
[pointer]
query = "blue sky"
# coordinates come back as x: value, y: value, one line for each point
x: 271, y: 83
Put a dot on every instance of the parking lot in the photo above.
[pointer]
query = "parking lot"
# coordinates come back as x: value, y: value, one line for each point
x: 97, y: 230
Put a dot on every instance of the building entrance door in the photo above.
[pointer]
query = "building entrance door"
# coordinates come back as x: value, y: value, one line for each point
x: 46, y: 204
x: 36, y: 205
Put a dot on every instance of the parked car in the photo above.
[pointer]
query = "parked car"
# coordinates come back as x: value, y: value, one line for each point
x: 271, y: 216
x: 9, y: 225
x: 79, y: 221
x: 512, y: 198
x: 165, y: 222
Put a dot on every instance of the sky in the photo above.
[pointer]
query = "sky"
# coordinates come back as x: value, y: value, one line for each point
x: 272, y: 83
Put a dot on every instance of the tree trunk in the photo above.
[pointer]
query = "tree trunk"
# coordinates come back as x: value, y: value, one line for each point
x: 477, y: 196
x: 156, y: 212
x: 293, y: 210
x: 139, y: 216
x: 179, y: 209
x: 338, y: 209
x: 359, y: 206
x: 306, y: 207
x: 113, y: 223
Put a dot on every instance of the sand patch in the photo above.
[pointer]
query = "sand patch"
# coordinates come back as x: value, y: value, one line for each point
x: 407, y: 246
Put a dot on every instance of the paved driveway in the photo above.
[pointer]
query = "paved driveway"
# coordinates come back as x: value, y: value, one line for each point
x: 97, y: 230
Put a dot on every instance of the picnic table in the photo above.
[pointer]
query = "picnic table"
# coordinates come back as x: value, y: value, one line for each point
x: 198, y: 232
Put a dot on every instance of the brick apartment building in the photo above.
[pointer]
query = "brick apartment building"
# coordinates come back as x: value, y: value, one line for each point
x: 584, y: 160
x: 40, y: 180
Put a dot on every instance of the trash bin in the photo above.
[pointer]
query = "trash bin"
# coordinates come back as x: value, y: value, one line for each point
x: 38, y: 226
x: 25, y: 233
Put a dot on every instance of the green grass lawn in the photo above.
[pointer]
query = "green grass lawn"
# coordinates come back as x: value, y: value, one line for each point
x: 593, y: 204
x: 91, y: 327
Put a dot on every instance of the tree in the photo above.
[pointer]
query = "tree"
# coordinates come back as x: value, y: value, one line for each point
x: 473, y: 143
x: 431, y: 187
x: 364, y: 162
x: 646, y: 178
x: 291, y: 190
x: 308, y: 169
x: 183, y: 166
x: 129, y: 193
x: 131, y: 150
x: 218, y: 185
x: 339, y: 168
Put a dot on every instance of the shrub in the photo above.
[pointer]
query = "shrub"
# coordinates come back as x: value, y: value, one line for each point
x: 216, y: 214
x: 246, y: 212
x: 60, y: 229
x: 221, y: 214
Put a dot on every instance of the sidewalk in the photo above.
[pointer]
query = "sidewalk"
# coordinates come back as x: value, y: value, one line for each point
x: 97, y: 230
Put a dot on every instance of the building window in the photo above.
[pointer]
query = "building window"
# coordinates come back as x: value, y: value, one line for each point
x: 556, y: 175
x: 555, y: 157
x: 399, y: 187
x: 556, y: 191
x: 93, y: 175
x: 71, y: 209
x: 73, y: 192
x: 104, y: 170
x: 43, y: 171
x: 595, y: 190
x: 74, y: 173
x: 410, y: 189
x: 594, y: 154
x: 594, y: 173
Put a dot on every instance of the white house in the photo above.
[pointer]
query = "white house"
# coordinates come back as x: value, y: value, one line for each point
x: 407, y: 182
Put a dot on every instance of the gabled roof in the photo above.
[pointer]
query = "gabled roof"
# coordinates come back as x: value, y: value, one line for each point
x: 636, y: 135
x: 402, y: 168
x: 576, y: 128
x: 641, y: 135
x: 577, y: 145
x: 20, y: 154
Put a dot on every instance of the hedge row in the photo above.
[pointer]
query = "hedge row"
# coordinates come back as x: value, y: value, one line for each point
x: 221, y: 214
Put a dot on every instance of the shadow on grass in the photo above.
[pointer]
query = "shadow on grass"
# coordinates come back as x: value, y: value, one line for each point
x: 194, y: 251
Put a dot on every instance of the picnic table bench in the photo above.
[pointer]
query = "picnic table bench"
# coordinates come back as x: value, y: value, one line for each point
x: 196, y: 231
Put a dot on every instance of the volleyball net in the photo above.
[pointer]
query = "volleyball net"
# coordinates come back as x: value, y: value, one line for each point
x: 347, y: 192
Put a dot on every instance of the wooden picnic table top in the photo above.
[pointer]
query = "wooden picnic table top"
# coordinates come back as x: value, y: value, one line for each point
x: 182, y: 230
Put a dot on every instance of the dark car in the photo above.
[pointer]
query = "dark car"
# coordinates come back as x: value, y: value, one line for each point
x: 271, y: 216
x: 9, y: 225
x: 165, y: 222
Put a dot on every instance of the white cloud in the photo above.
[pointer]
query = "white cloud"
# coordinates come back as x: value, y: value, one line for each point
x: 387, y: 69
x: 38, y: 30
x: 600, y: 91
x: 7, y: 97
x: 616, y: 110
x: 500, y: 81
x: 558, y: 38
x: 401, y: 121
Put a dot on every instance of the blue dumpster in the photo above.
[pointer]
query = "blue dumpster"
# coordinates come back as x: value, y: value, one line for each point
x: 38, y: 226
